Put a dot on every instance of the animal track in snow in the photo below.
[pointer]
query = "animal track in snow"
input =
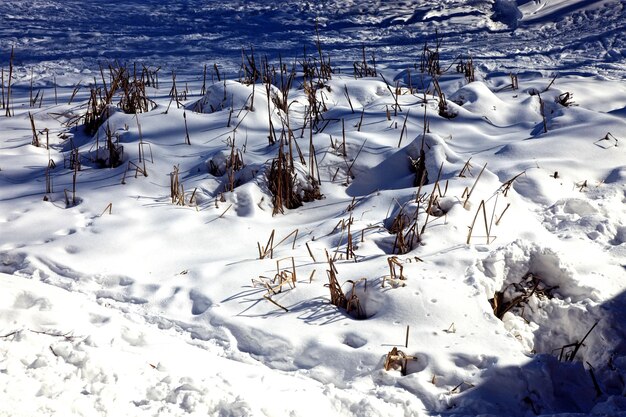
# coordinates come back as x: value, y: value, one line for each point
x: 65, y: 232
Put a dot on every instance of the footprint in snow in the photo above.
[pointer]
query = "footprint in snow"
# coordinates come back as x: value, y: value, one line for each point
x: 72, y: 249
x: 354, y: 341
x: 467, y: 361
x: 201, y: 303
x: 245, y: 205
x: 620, y: 236
x: 28, y: 300
x: 98, y: 320
x: 65, y: 232
x: 133, y: 337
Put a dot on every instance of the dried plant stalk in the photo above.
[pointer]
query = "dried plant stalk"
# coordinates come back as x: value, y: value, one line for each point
x: 35, y: 141
x: 395, y: 276
x: 467, y: 194
x: 8, y: 102
x: 269, y: 247
x: 398, y: 359
x: 337, y: 297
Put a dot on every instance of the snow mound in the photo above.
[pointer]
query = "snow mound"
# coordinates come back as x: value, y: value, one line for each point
x: 235, y: 96
x: 478, y: 99
x: 439, y: 156
x: 398, y: 170
x: 343, y: 93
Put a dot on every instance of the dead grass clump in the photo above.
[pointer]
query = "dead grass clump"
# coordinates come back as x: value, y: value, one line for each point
x: 405, y: 224
x: 234, y: 164
x: 97, y: 111
x: 405, y: 227
x: 281, y: 101
x: 123, y: 83
x: 322, y: 66
x: 228, y: 164
x: 112, y: 154
x: 287, y: 188
x: 337, y: 297
x: 140, y: 166
x: 350, y: 302
x: 399, y: 222
x: 177, y: 190
x: 150, y: 76
x: 396, y: 277
x: 354, y: 306
x: 133, y: 95
x: 566, y: 99
x: 284, y: 277
x: 316, y: 97
x: 444, y: 109
x: 569, y: 351
x: 407, y: 233
x: 507, y: 185
x: 282, y: 184
x: 493, y: 218
x: 268, y: 249
x: 249, y: 72
x: 397, y: 359
x: 514, y: 297
x: 434, y: 208
x: 429, y: 60
x: 466, y: 67
x: 363, y: 69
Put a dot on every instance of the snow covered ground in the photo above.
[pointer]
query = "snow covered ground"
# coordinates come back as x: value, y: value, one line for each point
x: 565, y: 35
x: 147, y: 269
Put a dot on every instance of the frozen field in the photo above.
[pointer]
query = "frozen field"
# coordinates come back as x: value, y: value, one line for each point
x: 435, y: 231
x: 573, y: 35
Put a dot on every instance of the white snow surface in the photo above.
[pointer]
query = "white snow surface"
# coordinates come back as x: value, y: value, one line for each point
x: 117, y: 298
